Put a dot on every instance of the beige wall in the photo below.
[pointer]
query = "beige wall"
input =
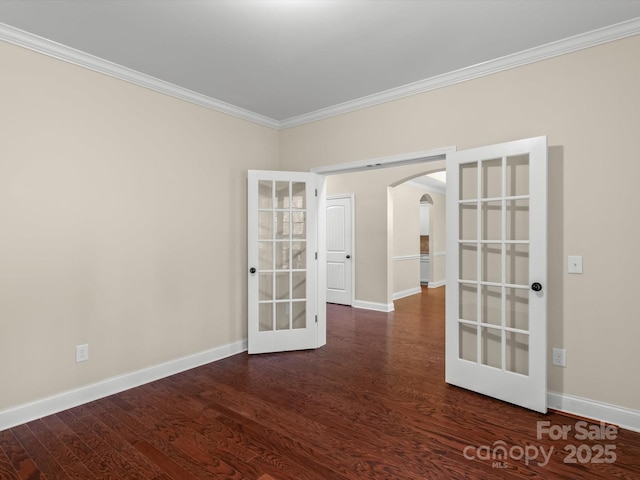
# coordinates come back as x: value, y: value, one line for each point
x: 123, y: 219
x: 587, y: 104
x: 406, y: 236
x: 406, y: 219
x: 438, y: 239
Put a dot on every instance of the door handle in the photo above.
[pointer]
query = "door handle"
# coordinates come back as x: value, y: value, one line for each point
x: 348, y: 256
x: 536, y: 287
x: 252, y: 270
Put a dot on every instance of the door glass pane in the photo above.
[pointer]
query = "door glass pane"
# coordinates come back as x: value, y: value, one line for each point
x: 265, y: 317
x: 492, y: 262
x: 299, y: 255
x: 468, y: 221
x: 282, y: 286
x: 299, y: 225
x: 491, y: 344
x: 299, y: 316
x: 518, y: 219
x: 492, y: 178
x: 468, y: 261
x: 468, y: 302
x: 282, y: 315
x: 517, y: 358
x: 265, y: 255
x: 468, y: 342
x: 491, y: 305
x: 282, y: 255
x: 283, y: 225
x: 265, y: 225
x: 518, y: 175
x: 517, y: 308
x: 491, y: 220
x: 299, y: 285
x: 468, y: 181
x: 282, y: 195
x: 298, y: 195
x: 265, y: 194
x: 265, y: 286
x: 517, y: 256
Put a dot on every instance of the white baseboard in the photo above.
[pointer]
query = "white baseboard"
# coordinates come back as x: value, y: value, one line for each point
x: 378, y: 307
x: 407, y: 293
x: 440, y: 283
x: 72, y: 398
x: 584, y: 407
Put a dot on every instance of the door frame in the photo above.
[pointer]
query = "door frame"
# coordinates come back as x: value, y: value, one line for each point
x: 351, y: 197
x: 425, y: 156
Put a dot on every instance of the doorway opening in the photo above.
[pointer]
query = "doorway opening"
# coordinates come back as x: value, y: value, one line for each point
x: 372, y: 184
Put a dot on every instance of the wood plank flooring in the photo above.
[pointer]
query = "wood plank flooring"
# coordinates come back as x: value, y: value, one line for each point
x: 372, y: 404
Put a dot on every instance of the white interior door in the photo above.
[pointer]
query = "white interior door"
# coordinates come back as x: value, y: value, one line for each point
x: 282, y: 261
x: 496, y: 325
x: 339, y: 233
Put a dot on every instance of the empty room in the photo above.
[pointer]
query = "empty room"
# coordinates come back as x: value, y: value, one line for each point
x: 215, y: 260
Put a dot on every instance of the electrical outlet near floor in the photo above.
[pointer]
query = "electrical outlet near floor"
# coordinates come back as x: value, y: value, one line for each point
x: 560, y: 357
x: 82, y: 353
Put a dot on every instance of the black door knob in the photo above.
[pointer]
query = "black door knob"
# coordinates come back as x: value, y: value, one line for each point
x: 348, y: 256
x: 536, y: 287
x: 252, y: 270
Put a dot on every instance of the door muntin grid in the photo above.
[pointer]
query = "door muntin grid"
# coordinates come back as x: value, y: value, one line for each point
x: 493, y: 276
x: 282, y: 255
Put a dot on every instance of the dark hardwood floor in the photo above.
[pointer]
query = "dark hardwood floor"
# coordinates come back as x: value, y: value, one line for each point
x: 372, y: 404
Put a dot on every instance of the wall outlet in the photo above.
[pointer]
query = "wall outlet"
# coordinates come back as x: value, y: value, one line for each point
x: 82, y: 353
x: 559, y: 357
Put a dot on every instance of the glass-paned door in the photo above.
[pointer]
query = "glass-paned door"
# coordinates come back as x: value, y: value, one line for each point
x: 497, y: 270
x: 281, y: 259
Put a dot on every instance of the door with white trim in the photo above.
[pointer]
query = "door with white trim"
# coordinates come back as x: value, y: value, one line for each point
x: 496, y: 325
x: 339, y: 232
x: 282, y: 261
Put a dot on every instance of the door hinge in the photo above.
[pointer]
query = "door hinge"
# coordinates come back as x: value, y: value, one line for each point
x: 316, y: 255
x: 316, y: 192
x: 316, y: 318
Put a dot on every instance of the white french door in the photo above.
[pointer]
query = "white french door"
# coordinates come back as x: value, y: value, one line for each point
x: 339, y: 231
x: 496, y: 316
x: 282, y: 261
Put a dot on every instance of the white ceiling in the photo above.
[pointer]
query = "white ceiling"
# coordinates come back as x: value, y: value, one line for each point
x: 284, y: 59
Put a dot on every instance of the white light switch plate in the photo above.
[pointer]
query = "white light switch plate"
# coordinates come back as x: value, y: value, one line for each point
x: 82, y: 353
x: 574, y: 264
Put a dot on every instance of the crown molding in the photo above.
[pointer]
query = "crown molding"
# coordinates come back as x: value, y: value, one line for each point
x: 71, y: 55
x: 561, y: 47
x: 525, y: 57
